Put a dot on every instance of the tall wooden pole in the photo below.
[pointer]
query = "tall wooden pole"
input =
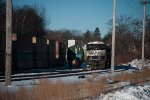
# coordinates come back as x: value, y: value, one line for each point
x: 143, y: 37
x: 113, y: 38
x: 8, y: 56
x: 144, y: 2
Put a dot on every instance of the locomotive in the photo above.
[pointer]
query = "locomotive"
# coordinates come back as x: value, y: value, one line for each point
x: 97, y: 55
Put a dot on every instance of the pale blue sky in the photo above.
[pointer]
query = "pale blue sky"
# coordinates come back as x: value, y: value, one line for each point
x: 84, y: 14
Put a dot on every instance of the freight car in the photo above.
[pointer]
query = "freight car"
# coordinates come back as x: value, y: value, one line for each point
x: 2, y: 51
x: 44, y: 53
x: 33, y: 52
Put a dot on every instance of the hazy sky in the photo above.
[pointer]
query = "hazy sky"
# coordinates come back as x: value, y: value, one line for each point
x: 84, y: 14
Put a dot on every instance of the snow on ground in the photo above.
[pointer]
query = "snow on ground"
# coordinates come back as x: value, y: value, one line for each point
x: 129, y: 93
x: 15, y: 85
x: 138, y: 63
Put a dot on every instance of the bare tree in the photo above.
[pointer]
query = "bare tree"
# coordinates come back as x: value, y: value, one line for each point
x: 59, y: 35
x: 28, y: 20
x: 147, y: 38
x: 128, y: 33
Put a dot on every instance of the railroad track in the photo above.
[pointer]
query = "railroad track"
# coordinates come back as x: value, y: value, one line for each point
x: 55, y: 74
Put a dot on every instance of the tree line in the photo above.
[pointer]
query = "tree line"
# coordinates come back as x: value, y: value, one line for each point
x: 129, y: 38
x: 32, y: 20
x: 25, y: 20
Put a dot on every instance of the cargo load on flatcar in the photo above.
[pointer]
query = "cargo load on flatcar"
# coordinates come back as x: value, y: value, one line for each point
x: 75, y: 56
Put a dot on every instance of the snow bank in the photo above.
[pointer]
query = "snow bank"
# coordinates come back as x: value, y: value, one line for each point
x: 129, y: 93
x: 137, y: 64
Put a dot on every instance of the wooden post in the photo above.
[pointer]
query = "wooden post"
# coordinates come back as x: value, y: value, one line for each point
x: 144, y: 2
x: 8, y: 59
x: 113, y: 39
x: 143, y: 37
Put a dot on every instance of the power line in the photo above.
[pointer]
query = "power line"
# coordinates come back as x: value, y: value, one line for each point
x: 134, y: 9
x: 130, y: 6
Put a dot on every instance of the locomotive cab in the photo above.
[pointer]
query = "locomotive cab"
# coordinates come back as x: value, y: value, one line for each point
x: 97, y: 55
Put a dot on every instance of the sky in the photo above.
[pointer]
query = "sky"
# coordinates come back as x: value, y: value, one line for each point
x: 83, y: 15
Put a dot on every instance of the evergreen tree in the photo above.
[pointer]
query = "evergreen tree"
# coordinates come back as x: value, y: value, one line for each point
x: 87, y: 37
x: 97, y: 35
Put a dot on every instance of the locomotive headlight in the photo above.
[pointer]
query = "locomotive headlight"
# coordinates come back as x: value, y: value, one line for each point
x: 90, y: 57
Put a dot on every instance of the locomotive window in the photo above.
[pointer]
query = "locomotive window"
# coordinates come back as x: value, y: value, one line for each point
x: 96, y: 46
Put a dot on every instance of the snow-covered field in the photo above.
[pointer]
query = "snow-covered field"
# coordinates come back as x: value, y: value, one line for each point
x: 130, y: 92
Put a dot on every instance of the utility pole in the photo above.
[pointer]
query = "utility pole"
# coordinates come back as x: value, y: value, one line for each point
x: 143, y: 2
x: 113, y: 38
x: 8, y: 56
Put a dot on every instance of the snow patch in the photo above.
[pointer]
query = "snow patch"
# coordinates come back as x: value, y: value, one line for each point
x: 129, y: 93
x: 137, y: 64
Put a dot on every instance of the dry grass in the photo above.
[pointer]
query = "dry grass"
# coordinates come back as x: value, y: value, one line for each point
x: 46, y: 90
x: 140, y: 77
x: 125, y: 58
x: 93, y: 88
x: 56, y: 91
x: 5, y: 95
x: 121, y: 77
x: 137, y: 77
